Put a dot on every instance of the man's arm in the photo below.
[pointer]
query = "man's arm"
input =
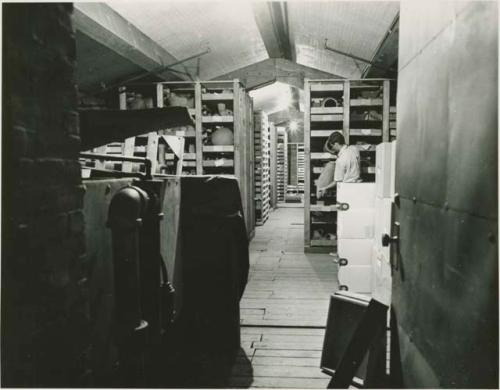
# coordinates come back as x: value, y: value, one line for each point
x: 320, y: 191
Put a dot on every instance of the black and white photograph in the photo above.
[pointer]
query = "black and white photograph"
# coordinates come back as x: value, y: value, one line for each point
x: 295, y: 194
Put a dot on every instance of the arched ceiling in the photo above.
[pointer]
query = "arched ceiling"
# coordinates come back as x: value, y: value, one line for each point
x: 260, y: 42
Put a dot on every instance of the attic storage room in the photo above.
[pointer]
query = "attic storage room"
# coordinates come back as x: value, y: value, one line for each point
x: 250, y: 194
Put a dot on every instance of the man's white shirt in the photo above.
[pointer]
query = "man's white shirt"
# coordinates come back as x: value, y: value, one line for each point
x: 347, y: 166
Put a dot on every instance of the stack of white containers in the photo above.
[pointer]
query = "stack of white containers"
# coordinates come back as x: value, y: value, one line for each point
x: 381, y: 255
x: 355, y: 234
x: 364, y: 264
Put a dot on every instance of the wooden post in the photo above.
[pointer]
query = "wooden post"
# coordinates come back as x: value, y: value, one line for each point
x: 128, y: 145
x: 274, y: 140
x: 236, y: 128
x: 307, y: 158
x: 347, y: 110
x: 386, y: 132
x: 198, y: 128
x: 159, y: 95
x: 180, y: 161
x: 161, y: 147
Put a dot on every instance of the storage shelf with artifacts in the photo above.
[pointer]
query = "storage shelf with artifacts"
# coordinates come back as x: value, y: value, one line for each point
x: 282, y: 163
x: 225, y: 141
x: 262, y: 148
x: 219, y: 141
x: 364, y: 112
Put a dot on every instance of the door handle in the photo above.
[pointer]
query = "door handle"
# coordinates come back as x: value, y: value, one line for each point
x: 342, y: 206
x: 388, y: 240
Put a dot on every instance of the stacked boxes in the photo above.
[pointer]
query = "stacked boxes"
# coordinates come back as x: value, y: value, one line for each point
x: 355, y: 232
x: 381, y: 262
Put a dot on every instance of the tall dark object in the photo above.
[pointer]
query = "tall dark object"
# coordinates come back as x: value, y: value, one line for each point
x: 215, y: 272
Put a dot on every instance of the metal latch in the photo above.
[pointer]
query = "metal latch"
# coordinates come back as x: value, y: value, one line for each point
x: 342, y: 206
x: 388, y: 240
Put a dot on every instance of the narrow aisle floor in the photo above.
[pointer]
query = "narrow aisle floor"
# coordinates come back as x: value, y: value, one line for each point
x: 284, y: 308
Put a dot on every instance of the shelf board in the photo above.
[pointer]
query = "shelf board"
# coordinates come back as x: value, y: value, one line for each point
x: 369, y: 170
x: 327, y: 110
x: 366, y: 148
x: 315, y: 207
x: 322, y: 133
x: 366, y: 102
x: 218, y: 148
x: 186, y: 134
x: 323, y: 242
x: 365, y: 132
x: 186, y: 156
x: 217, y: 96
x: 189, y: 163
x: 327, y: 118
x: 217, y: 119
x: 222, y: 162
x: 321, y: 156
x: 336, y: 86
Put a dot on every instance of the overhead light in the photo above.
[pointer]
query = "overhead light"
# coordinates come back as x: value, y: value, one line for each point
x: 294, y: 126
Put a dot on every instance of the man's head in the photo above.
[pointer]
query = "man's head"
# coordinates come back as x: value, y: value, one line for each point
x: 334, y: 142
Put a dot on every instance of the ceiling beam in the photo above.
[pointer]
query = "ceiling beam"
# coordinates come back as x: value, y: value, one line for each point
x: 272, y: 21
x: 275, y: 69
x: 386, y: 55
x: 104, y: 25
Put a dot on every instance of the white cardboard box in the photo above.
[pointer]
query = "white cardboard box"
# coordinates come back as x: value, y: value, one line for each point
x: 356, y: 251
x: 356, y: 278
x: 381, y: 278
x: 356, y: 195
x: 382, y: 221
x: 383, y: 170
x: 357, y: 223
x: 393, y: 170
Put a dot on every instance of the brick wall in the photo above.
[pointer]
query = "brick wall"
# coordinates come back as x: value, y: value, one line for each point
x: 44, y: 301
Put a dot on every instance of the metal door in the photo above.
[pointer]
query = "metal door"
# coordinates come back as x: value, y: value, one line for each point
x: 445, y: 274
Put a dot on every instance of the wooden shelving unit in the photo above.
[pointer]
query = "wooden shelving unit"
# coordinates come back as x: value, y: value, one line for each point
x: 213, y: 105
x: 225, y: 107
x: 282, y: 164
x: 364, y: 112
x: 262, y: 150
x: 296, y: 167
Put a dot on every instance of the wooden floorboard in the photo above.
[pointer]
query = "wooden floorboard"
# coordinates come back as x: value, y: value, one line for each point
x: 284, y: 308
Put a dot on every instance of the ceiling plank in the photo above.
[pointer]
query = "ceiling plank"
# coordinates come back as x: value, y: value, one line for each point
x: 104, y: 25
x: 272, y: 21
x: 263, y: 15
x: 386, y: 55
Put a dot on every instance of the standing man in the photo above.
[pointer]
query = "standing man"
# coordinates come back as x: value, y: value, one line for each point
x: 347, y: 166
